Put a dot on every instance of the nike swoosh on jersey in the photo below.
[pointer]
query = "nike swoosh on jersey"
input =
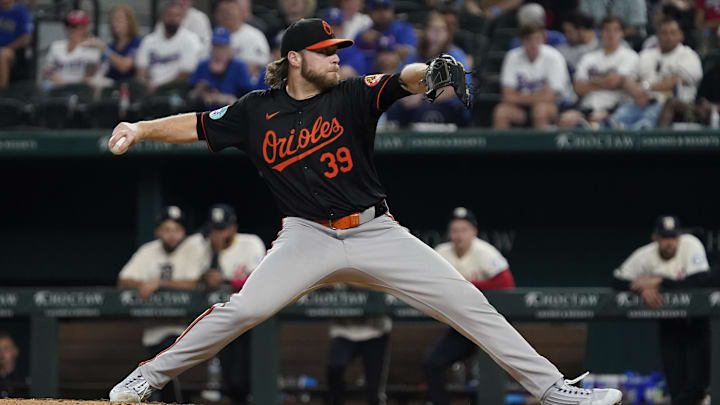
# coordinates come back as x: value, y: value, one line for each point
x: 269, y: 116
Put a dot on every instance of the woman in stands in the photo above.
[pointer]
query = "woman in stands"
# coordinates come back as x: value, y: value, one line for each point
x: 119, y: 55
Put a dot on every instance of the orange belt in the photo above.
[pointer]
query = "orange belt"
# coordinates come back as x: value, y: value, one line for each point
x: 347, y: 222
x: 357, y: 218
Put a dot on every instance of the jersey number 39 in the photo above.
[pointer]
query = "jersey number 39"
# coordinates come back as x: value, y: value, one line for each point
x: 342, y: 155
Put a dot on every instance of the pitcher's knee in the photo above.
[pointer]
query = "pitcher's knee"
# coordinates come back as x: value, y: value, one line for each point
x: 248, y: 313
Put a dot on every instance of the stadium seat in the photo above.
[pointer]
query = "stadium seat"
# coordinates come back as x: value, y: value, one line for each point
x: 82, y: 91
x: 160, y: 106
x: 12, y: 112
x: 483, y: 106
x: 104, y: 113
x: 55, y: 112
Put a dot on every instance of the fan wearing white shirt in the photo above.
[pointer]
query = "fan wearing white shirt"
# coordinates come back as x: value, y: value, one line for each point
x: 168, y: 55
x: 599, y: 78
x: 67, y: 61
x: 355, y: 21
x: 228, y: 257
x: 194, y: 21
x: 533, y: 78
x: 670, y: 69
x: 249, y: 44
x: 673, y: 260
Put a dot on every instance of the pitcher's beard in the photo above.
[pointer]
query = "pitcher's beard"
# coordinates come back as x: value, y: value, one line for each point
x: 322, y: 81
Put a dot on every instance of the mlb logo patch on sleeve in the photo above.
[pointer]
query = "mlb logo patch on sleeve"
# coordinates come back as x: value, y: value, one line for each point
x: 372, y: 80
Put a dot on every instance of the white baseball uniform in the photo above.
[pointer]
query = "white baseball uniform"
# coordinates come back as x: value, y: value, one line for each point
x: 646, y: 261
x: 152, y: 263
x: 482, y: 262
x: 237, y: 261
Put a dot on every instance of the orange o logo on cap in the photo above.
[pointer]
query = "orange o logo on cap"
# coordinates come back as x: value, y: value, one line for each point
x: 328, y: 29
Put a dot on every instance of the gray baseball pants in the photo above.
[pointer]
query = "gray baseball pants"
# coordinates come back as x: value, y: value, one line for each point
x: 381, y: 255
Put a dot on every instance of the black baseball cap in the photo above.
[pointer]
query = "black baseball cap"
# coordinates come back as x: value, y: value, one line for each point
x: 466, y: 214
x: 310, y: 33
x: 667, y: 226
x: 172, y: 212
x: 221, y: 216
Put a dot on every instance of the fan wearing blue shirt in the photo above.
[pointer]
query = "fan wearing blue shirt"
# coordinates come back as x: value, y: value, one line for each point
x: 221, y: 79
x: 437, y: 38
x: 16, y: 27
x: 352, y: 59
x: 382, y: 14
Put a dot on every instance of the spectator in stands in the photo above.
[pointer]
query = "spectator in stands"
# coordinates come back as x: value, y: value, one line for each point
x: 673, y: 260
x: 707, y: 22
x: 633, y: 13
x: 194, y: 21
x: 166, y: 262
x: 368, y: 338
x: 355, y: 20
x: 534, y: 14
x: 352, y: 60
x: 11, y: 382
x: 701, y: 111
x: 228, y: 257
x: 68, y: 62
x: 490, y: 8
x: 382, y: 13
x: 119, y: 55
x: 484, y: 266
x: 221, y: 79
x: 675, y: 9
x: 672, y: 69
x: 599, y: 78
x: 288, y: 12
x: 16, y: 27
x: 249, y: 17
x: 248, y: 43
x: 579, y: 31
x: 533, y: 78
x: 168, y: 56
x: 436, y: 39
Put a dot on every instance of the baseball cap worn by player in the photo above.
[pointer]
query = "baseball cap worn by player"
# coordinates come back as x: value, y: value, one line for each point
x: 667, y: 226
x: 171, y: 212
x: 222, y: 216
x: 464, y: 214
x: 311, y: 34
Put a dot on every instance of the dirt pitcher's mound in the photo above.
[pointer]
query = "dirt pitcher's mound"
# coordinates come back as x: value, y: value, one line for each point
x: 51, y: 401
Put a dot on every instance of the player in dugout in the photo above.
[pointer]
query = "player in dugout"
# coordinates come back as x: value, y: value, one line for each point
x: 229, y: 257
x: 482, y: 265
x: 166, y: 262
x: 311, y: 136
x: 674, y: 259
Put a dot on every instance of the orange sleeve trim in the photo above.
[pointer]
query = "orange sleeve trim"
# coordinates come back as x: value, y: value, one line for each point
x: 202, y: 122
x: 380, y: 92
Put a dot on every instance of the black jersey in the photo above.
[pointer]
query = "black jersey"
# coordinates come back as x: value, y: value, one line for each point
x: 316, y: 155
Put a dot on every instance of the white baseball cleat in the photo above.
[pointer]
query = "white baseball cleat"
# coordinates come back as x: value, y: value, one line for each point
x: 564, y: 393
x: 134, y: 388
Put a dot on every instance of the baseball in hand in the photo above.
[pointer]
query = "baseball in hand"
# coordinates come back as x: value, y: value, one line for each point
x: 117, y: 148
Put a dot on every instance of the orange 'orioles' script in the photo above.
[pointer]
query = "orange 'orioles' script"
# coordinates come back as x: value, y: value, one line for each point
x: 286, y: 151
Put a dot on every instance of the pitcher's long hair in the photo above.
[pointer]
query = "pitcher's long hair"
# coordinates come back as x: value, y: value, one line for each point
x: 277, y: 72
